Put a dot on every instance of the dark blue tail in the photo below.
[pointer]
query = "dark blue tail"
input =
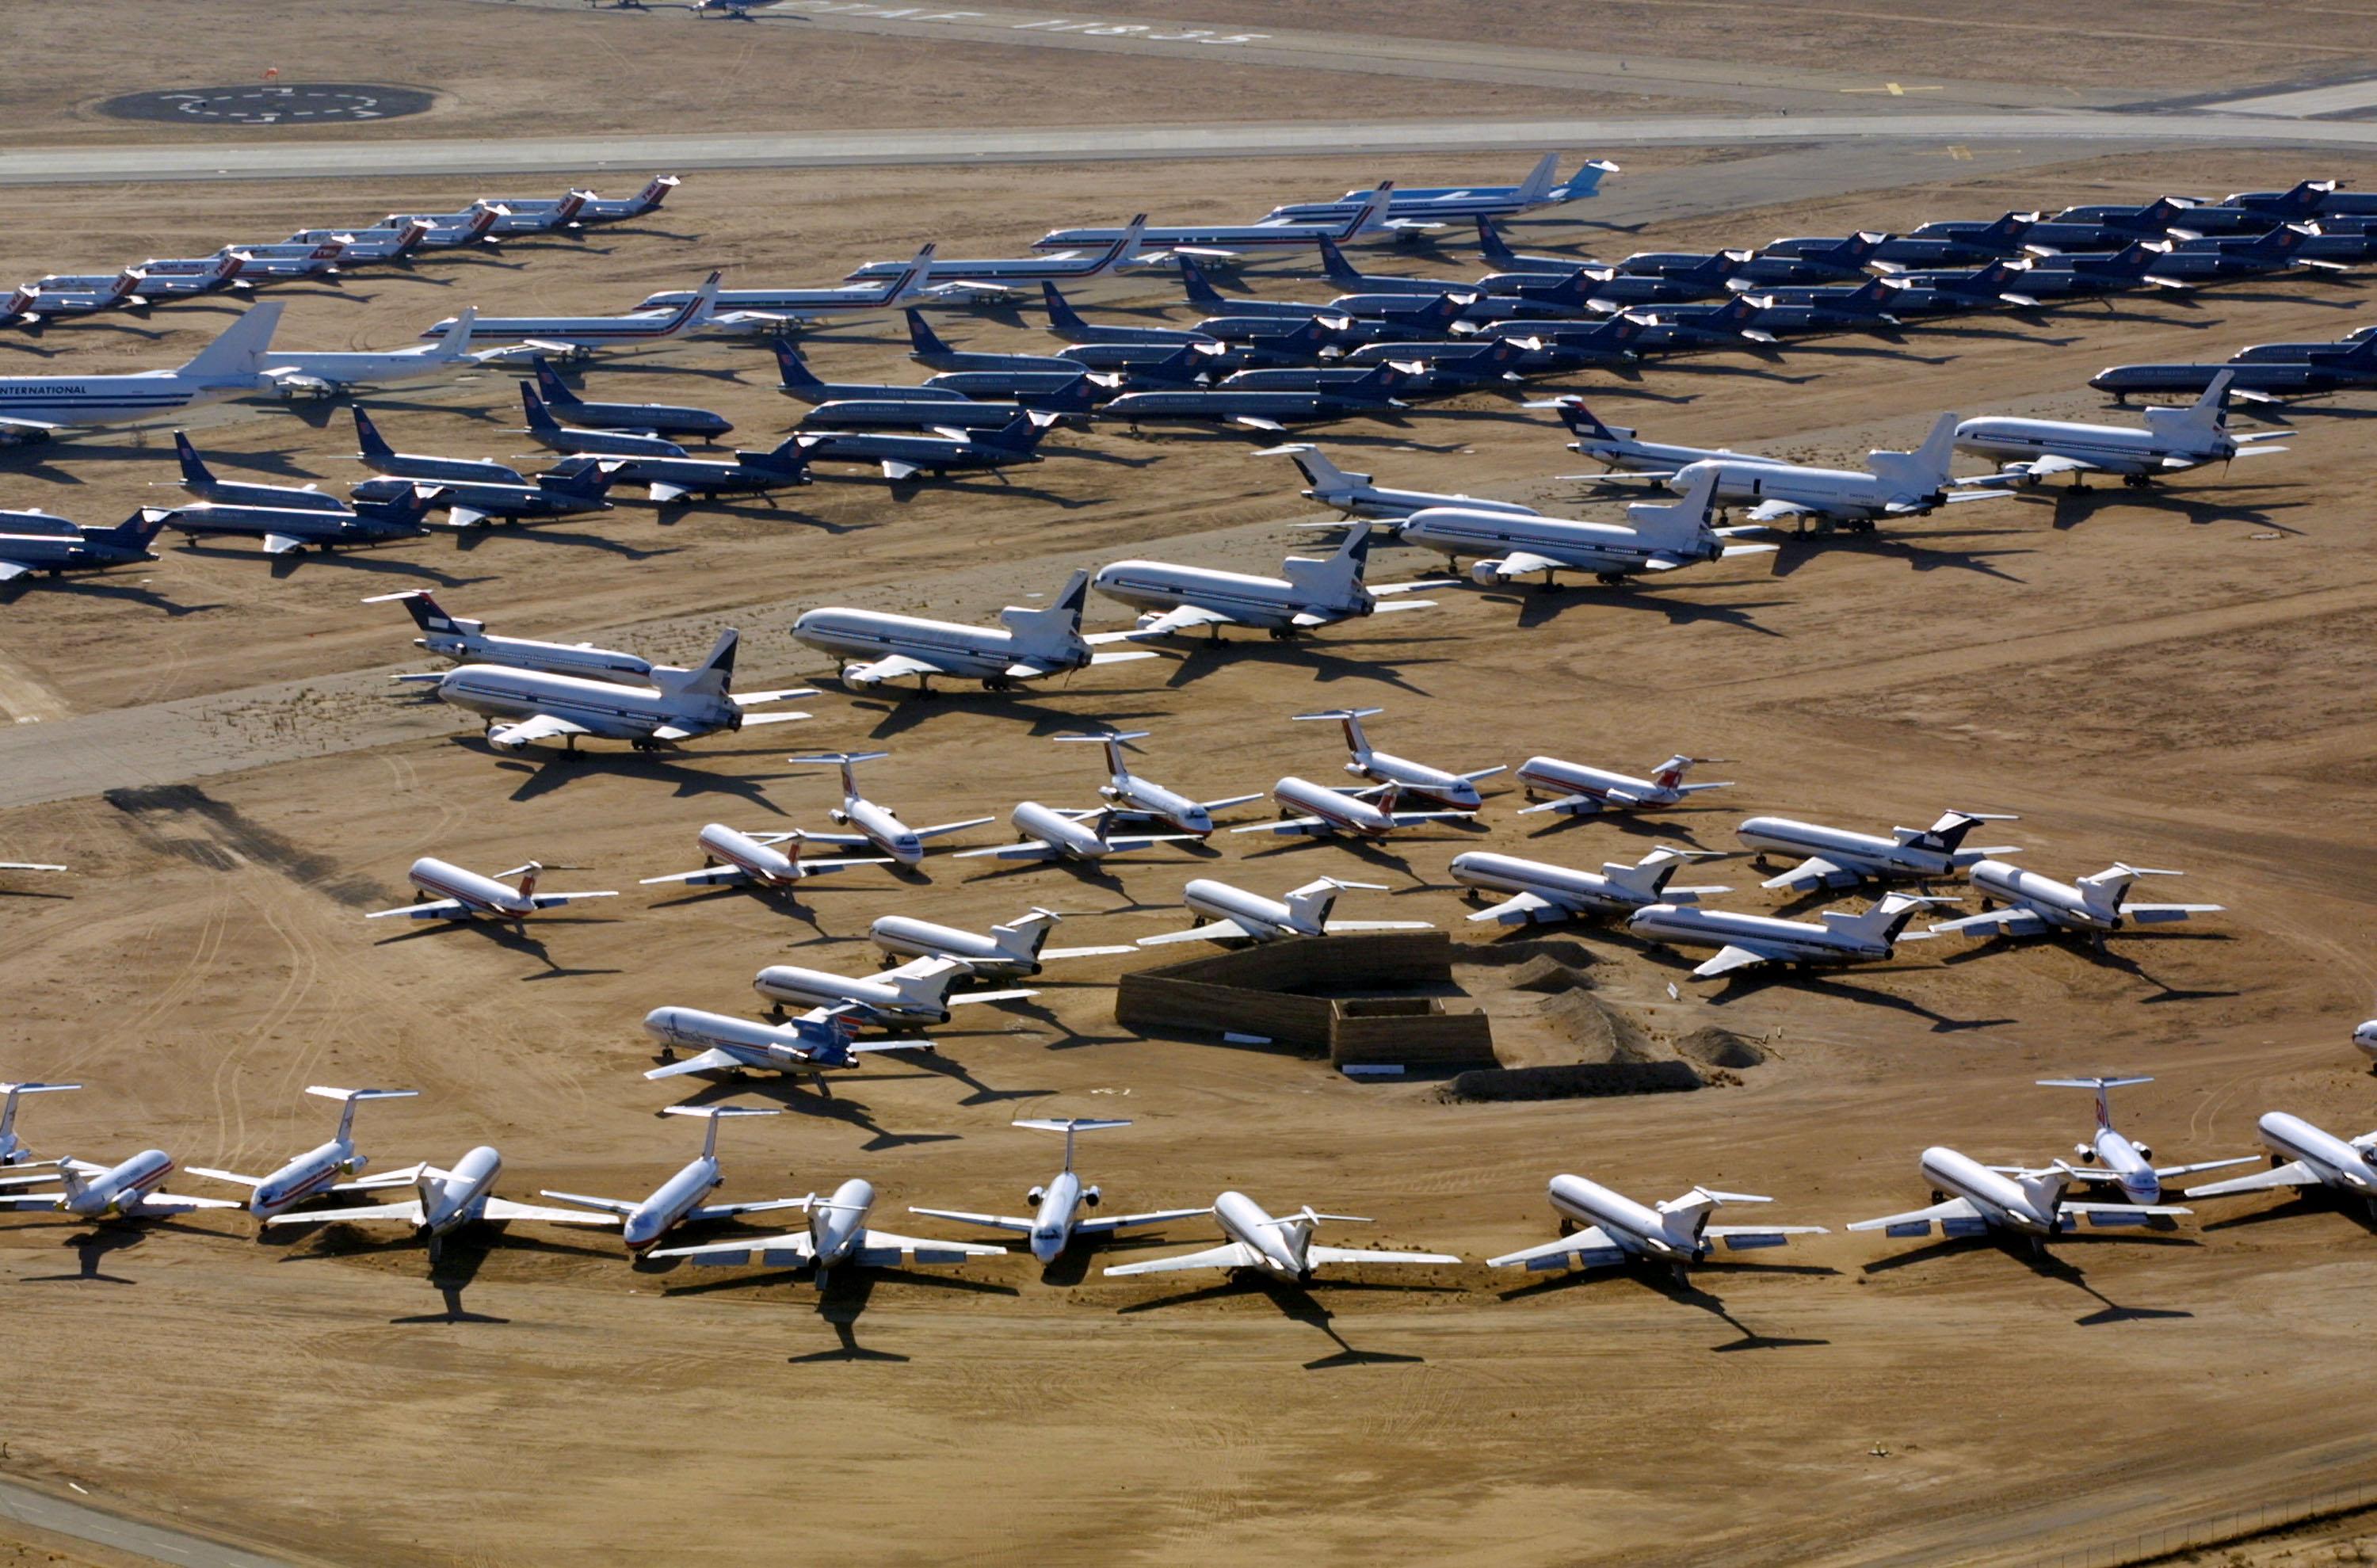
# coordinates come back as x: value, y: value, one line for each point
x: 1341, y: 271
x: 551, y: 386
x: 798, y: 379
x: 368, y: 437
x: 577, y: 478
x: 921, y: 338
x: 1017, y: 435
x: 1201, y: 294
x: 1061, y: 315
x: 1491, y: 246
x: 404, y: 510
x: 532, y: 407
x: 135, y: 532
x: 194, y: 469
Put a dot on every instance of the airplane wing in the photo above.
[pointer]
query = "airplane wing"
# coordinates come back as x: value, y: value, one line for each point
x: 2121, y: 1214
x: 608, y: 1205
x: 745, y: 698
x: 773, y: 1251
x: 1186, y: 617
x: 1523, y: 563
x: 281, y: 543
x: 708, y: 1061
x: 1729, y: 958
x: 2292, y: 1174
x: 991, y: 995
x: 1030, y: 849
x: 1219, y: 931
x: 1255, y: 422
x: 1141, y: 841
x: 857, y: 1050
x: 1955, y: 1217
x: 1994, y: 923
x: 709, y: 875
x: 1120, y: 655
x: 1052, y: 953
x: 436, y: 909
x: 405, y: 1212
x: 234, y: 1177
x: 542, y: 726
x: 1517, y: 909
x: 894, y: 469
x: 954, y: 827
x: 1230, y: 1255
x: 174, y: 1204
x: 2163, y: 1173
x: 11, y: 570
x: 1128, y: 1222
x: 1954, y: 495
x: 1404, y: 819
x: 1335, y: 927
x: 1380, y: 590
x: 1287, y: 825
x: 19, y: 1202
x: 665, y: 492
x: 896, y: 666
x: 1777, y: 510
x: 1743, y: 1238
x: 882, y: 1247
x: 727, y: 1211
x: 1812, y: 873
x: 2164, y: 913
x: 556, y: 900
x: 503, y: 1208
x: 996, y: 1222
x: 1226, y: 802
x: 1588, y: 1249
x: 1361, y: 1255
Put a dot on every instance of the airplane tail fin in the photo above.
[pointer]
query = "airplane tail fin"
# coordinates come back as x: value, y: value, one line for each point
x: 1323, y: 475
x: 368, y: 437
x: 1062, y: 317
x: 424, y: 608
x: 1651, y: 874
x: 194, y: 471
x: 1335, y: 580
x: 1538, y: 186
x: 1054, y: 631
x: 929, y: 985
x: 1200, y: 292
x: 1587, y: 181
x: 135, y: 532
x: 534, y: 411
x: 797, y: 378
x: 8, y: 1097
x: 1491, y: 245
x: 1583, y: 424
x: 1336, y: 269
x: 551, y: 386
x: 1373, y: 211
x: 406, y: 509
x: 1021, y: 434
x: 2202, y: 421
x: 926, y: 343
x: 1309, y: 906
x: 1883, y: 921
x: 653, y: 194
x: 2046, y: 1188
x: 714, y: 676
x: 1925, y: 468
x: 2110, y: 887
x: 240, y: 347
x: 456, y: 340
x: 1680, y: 521
x: 1025, y: 936
x: 580, y: 478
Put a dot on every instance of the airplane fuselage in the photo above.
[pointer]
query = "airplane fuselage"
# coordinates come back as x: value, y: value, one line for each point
x: 1265, y: 917
x: 1866, y: 854
x: 968, y: 653
x: 798, y: 1046
x: 1793, y: 941
x: 315, y: 1171
x: 1270, y: 603
x: 478, y: 895
x: 1563, y: 886
x: 905, y: 937
x: 2333, y: 1160
x: 670, y: 1203
x: 2110, y: 448
x: 606, y: 708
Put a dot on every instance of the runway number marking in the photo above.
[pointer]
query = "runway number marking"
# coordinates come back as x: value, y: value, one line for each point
x: 1152, y: 33
x: 1893, y: 88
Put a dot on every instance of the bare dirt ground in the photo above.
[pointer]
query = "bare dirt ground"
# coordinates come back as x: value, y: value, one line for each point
x: 2180, y: 680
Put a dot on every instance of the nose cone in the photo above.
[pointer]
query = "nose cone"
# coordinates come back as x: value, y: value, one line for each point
x: 1464, y: 795
x: 2365, y: 1037
x: 1047, y: 1245
x: 2141, y: 1188
x: 907, y: 849
x: 640, y: 1231
x: 1198, y: 821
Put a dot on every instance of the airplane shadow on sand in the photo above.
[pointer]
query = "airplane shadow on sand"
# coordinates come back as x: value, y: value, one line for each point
x: 2074, y: 507
x: 2047, y: 1265
x: 92, y: 1246
x: 561, y: 766
x: 2104, y: 957
x: 1300, y: 1304
x: 908, y: 710
x: 790, y: 1092
x: 1743, y: 983
x: 1919, y: 554
x: 1539, y: 606
x: 513, y: 938
x: 1647, y: 1277
x: 1200, y: 657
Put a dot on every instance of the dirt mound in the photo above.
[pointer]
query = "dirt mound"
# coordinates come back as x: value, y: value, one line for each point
x: 1713, y: 1046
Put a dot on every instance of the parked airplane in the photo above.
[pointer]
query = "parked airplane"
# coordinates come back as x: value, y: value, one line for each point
x: 1744, y: 941
x: 1602, y: 1228
x: 998, y: 276
x: 930, y: 350
x: 396, y: 243
x: 13, y: 1149
x: 1655, y: 538
x: 1972, y: 1199
x: 531, y: 337
x: 1310, y: 592
x: 2036, y: 905
x: 1258, y: 408
x: 1048, y: 834
x: 286, y: 531
x: 131, y: 1189
x: 1837, y: 858
x: 450, y: 893
x: 444, y: 1199
x: 530, y: 214
x: 47, y: 299
x: 2316, y: 373
x: 298, y: 372
x: 380, y: 456
x: 1018, y: 948
x: 1131, y: 797
x: 783, y: 467
x: 802, y: 385
x: 555, y: 437
x: 837, y: 1234
x: 2031, y: 452
x: 947, y: 417
x: 469, y: 641
x: 1893, y: 484
x: 735, y: 859
x: 681, y: 1198
x: 1543, y: 894
x: 1066, y: 322
x: 319, y: 1169
x: 1614, y: 445
x: 258, y: 263
x: 573, y: 485
x: 33, y: 407
x: 811, y: 1045
x: 201, y: 480
x: 949, y: 451
x: 1050, y: 391
x: 1235, y: 915
x: 598, y: 209
x: 643, y: 419
x: 2305, y: 1155
x: 1432, y: 207
x: 1577, y: 790
x: 779, y: 308
x: 1217, y: 239
x: 1057, y: 1220
x: 1322, y: 811
x: 914, y: 992
x: 1458, y: 790
x: 32, y: 542
x: 525, y: 706
x: 2109, y: 1156
x: 1036, y: 642
x: 1283, y: 1246
x: 878, y: 825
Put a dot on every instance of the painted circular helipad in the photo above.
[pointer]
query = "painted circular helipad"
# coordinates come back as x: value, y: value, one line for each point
x: 272, y: 103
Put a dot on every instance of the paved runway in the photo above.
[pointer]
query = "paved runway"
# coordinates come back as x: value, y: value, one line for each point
x: 62, y: 1516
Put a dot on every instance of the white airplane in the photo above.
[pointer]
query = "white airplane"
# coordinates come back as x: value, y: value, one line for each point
x: 1132, y: 798
x: 2036, y: 906
x: 298, y: 372
x: 1236, y: 914
x: 735, y: 859
x: 1891, y: 484
x: 1318, y: 811
x: 2364, y: 1037
x: 2304, y: 1155
x: 386, y: 244
x: 774, y: 309
x: 914, y: 992
x: 527, y: 706
x: 1615, y: 447
x: 1655, y: 538
x: 571, y: 336
x: 316, y: 1170
x: 877, y: 824
x: 1604, y: 1227
x: 1353, y: 494
x: 1972, y: 1199
x: 837, y: 1234
x: 810, y: 1046
x: 33, y: 407
x: 1017, y: 948
x: 680, y: 1200
x: 1057, y: 1219
x: 2109, y: 1156
x: 1839, y: 859
x: 449, y: 892
x: 1364, y: 215
x: 996, y: 277
x: 1457, y: 790
x: 443, y: 1201
x: 1035, y: 643
x: 27, y: 865
x: 2031, y: 452
x: 13, y: 1151
x: 1543, y: 894
x: 1283, y: 1246
x: 1046, y: 832
x: 470, y: 642
x: 1577, y: 790
x: 129, y: 1191
x: 1744, y: 941
x: 1311, y: 593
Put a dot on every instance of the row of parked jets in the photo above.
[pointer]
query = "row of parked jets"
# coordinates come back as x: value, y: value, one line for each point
x: 1599, y: 1226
